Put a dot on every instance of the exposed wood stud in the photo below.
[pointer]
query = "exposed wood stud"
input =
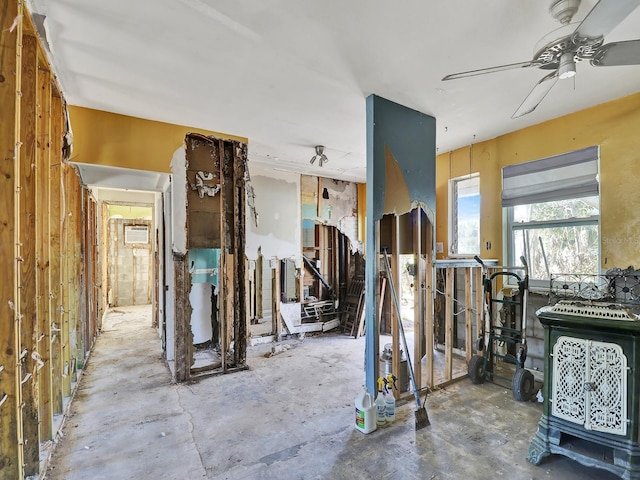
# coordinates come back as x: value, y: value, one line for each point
x: 429, y: 294
x: 11, y: 451
x: 448, y: 329
x: 50, y: 116
x: 418, y: 282
x: 27, y: 258
x: 468, y: 315
x: 395, y: 315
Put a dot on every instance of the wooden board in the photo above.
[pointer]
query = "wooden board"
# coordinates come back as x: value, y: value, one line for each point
x: 43, y: 282
x: 27, y: 265
x: 429, y: 293
x: 418, y: 308
x: 448, y: 329
x: 55, y: 242
x: 468, y: 314
x: 182, y: 318
x: 10, y: 450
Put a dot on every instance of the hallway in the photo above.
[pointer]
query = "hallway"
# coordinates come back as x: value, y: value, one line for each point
x: 290, y: 416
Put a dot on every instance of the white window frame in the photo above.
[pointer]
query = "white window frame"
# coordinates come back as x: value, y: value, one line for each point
x: 552, y: 174
x: 512, y: 227
x: 453, y: 217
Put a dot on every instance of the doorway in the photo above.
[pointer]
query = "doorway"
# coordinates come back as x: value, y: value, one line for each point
x: 130, y: 255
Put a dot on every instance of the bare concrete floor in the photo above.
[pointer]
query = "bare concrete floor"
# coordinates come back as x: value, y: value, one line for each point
x: 290, y: 416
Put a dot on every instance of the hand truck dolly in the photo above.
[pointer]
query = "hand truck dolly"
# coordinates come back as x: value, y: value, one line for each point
x: 492, y: 334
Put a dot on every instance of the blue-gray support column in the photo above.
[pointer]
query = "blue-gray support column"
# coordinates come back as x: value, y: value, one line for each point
x: 410, y: 137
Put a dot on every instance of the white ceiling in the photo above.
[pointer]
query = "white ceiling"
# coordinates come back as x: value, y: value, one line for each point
x: 291, y: 74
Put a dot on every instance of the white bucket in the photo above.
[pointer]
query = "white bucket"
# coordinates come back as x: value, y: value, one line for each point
x: 365, y: 412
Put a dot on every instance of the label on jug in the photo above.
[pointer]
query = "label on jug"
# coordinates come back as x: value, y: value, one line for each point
x: 359, y: 418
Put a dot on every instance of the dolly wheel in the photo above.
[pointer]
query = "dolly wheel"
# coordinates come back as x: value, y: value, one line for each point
x: 522, y: 385
x: 476, y: 369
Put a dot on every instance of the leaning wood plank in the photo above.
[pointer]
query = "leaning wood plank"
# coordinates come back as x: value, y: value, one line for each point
x: 361, y: 311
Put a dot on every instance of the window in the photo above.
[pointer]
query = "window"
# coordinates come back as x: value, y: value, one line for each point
x: 464, y: 220
x: 553, y: 214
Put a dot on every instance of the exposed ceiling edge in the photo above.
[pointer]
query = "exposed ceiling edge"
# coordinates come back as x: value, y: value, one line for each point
x: 121, y: 178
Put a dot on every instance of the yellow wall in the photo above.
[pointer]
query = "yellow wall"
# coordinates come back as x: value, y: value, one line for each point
x: 614, y: 126
x: 110, y: 139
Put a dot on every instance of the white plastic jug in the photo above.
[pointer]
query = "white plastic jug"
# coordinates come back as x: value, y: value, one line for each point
x: 365, y: 412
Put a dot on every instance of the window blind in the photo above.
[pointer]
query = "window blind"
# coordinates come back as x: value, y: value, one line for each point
x: 569, y: 175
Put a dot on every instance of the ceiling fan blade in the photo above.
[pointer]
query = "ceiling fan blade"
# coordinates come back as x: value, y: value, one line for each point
x: 617, y: 53
x: 603, y: 17
x: 482, y: 71
x: 536, y: 95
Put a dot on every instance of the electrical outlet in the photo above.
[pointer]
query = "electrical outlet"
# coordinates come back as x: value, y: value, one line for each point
x: 439, y: 247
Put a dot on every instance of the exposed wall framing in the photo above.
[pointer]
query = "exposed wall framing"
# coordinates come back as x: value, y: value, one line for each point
x: 41, y: 268
x: 215, y: 219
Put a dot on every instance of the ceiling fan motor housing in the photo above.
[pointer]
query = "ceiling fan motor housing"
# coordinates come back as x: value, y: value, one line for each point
x: 564, y: 10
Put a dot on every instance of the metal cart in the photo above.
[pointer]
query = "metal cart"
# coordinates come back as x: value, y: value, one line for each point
x: 493, y: 335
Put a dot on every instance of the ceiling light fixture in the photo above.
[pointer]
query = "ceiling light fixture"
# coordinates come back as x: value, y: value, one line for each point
x: 567, y: 68
x: 320, y: 156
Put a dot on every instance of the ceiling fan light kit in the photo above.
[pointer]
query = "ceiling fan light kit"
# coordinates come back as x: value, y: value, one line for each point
x: 320, y: 156
x: 566, y: 46
x: 567, y: 68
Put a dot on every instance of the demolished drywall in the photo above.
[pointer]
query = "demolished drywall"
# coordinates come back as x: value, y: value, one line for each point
x: 277, y: 204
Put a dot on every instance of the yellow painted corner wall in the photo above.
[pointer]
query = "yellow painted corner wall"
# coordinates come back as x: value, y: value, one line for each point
x: 612, y: 126
x: 110, y: 139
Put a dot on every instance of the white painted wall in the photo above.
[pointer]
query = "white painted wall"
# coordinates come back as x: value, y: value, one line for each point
x: 157, y: 222
x: 343, y: 204
x: 179, y: 201
x: 278, y: 206
x: 170, y: 279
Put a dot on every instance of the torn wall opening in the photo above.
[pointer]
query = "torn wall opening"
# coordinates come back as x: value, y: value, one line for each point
x: 208, y: 244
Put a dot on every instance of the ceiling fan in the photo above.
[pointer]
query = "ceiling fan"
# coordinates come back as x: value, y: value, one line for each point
x: 569, y: 44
